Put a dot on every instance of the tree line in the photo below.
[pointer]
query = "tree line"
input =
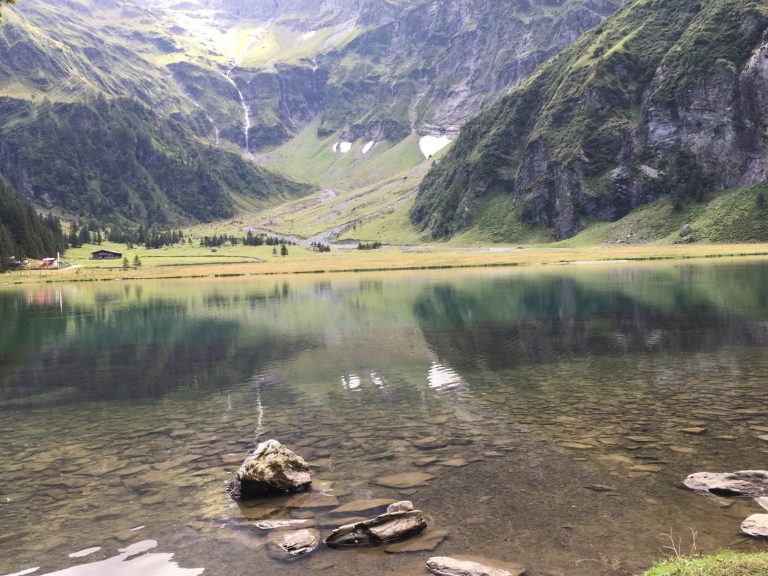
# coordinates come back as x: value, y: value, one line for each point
x: 250, y: 239
x: 24, y: 233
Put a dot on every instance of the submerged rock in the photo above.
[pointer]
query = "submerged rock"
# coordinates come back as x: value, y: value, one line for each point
x: 271, y: 469
x: 756, y: 526
x: 405, y: 480
x: 363, y: 506
x: 444, y: 566
x: 424, y: 543
x: 750, y: 483
x: 293, y: 544
x: 388, y: 527
x: 276, y: 525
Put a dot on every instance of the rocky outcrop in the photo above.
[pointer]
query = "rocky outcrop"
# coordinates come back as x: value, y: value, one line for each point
x: 610, y: 125
x: 444, y: 566
x: 388, y: 527
x: 747, y: 483
x: 271, y: 469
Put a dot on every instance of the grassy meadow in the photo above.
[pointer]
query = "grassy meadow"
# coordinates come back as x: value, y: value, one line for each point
x: 193, y: 261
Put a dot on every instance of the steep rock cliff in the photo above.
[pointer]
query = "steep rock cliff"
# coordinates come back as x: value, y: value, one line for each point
x: 666, y: 97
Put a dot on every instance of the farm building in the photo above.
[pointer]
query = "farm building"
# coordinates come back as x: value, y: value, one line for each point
x: 106, y: 255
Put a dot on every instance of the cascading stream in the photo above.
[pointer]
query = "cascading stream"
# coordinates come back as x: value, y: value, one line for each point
x: 246, y: 113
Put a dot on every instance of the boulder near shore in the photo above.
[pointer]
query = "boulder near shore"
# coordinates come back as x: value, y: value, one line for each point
x: 271, y: 470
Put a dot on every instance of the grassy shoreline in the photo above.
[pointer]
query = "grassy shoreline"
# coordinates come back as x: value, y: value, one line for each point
x: 194, y: 262
x: 721, y: 564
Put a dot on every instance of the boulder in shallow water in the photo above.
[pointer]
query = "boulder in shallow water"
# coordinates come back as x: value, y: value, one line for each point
x: 292, y: 544
x: 272, y: 469
x: 444, y: 566
x: 756, y: 526
x: 748, y: 483
x: 389, y: 527
x: 404, y: 506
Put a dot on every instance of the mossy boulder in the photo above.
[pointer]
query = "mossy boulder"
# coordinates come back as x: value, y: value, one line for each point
x: 272, y: 469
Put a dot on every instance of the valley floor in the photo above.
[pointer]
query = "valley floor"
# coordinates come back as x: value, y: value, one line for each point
x: 189, y: 261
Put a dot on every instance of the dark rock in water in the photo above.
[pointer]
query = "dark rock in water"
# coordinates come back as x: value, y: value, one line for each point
x: 293, y: 544
x: 444, y: 566
x: 748, y: 483
x: 756, y: 526
x: 600, y: 488
x: 272, y: 469
x: 389, y: 527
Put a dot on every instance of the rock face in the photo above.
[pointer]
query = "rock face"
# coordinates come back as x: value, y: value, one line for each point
x: 756, y: 526
x: 444, y: 566
x: 564, y: 146
x: 440, y: 62
x: 389, y: 527
x: 293, y: 544
x: 272, y: 469
x: 748, y: 483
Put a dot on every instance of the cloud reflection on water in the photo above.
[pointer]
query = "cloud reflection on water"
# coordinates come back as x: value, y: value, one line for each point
x: 132, y: 561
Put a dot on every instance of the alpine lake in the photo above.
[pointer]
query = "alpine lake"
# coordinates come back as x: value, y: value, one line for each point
x: 544, y: 416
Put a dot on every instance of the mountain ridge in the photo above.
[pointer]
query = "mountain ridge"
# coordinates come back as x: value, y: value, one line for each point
x: 663, y: 99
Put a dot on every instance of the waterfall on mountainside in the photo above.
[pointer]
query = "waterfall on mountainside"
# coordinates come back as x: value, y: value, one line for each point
x: 244, y: 105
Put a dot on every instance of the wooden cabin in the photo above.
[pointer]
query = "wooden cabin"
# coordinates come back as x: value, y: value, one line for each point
x: 106, y: 255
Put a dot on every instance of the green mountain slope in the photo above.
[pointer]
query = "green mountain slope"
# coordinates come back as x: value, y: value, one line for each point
x: 120, y: 162
x: 108, y: 124
x: 665, y: 98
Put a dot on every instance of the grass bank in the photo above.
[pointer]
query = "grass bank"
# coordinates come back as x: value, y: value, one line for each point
x: 722, y: 564
x: 187, y: 261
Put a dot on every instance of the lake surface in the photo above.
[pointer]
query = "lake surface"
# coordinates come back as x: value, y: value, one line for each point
x: 557, y: 410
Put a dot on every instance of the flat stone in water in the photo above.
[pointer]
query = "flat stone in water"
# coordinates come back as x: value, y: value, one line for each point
x: 694, y: 430
x: 258, y: 512
x: 430, y: 443
x: 683, y: 449
x: 292, y: 544
x: 764, y: 437
x: 285, y: 524
x: 421, y: 462
x: 314, y: 500
x: 645, y: 468
x: 444, y: 566
x: 641, y: 439
x: 576, y: 446
x: 600, y: 488
x: 425, y: 543
x: 362, y: 506
x: 405, y: 480
x: 454, y: 463
x: 756, y: 526
x: 336, y: 522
